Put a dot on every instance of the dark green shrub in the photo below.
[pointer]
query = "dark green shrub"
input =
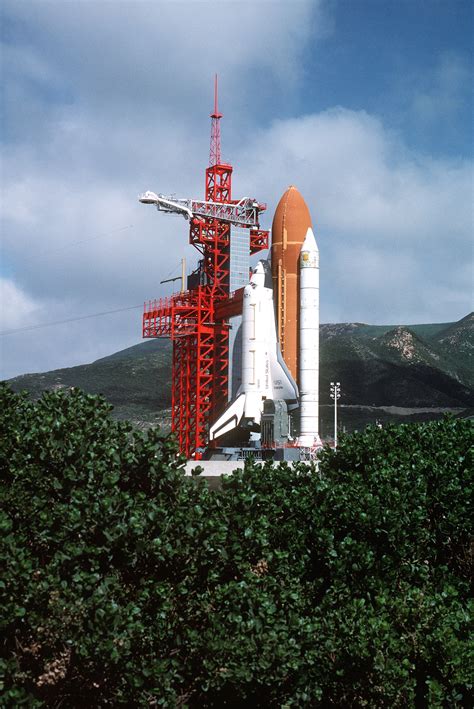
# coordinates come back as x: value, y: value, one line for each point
x: 127, y: 583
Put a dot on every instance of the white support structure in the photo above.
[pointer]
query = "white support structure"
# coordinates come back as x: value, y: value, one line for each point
x: 243, y: 213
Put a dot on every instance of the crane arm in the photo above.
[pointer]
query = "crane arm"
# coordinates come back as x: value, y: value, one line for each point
x: 167, y: 204
x: 244, y: 213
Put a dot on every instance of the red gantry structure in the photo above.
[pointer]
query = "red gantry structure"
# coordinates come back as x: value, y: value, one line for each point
x: 197, y: 320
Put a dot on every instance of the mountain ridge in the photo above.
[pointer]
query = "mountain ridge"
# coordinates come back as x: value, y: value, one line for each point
x: 415, y: 366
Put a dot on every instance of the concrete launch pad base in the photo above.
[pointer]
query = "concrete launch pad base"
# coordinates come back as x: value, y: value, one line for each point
x: 214, y: 468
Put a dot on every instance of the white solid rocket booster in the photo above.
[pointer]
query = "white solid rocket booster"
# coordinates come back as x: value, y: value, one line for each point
x: 309, y: 342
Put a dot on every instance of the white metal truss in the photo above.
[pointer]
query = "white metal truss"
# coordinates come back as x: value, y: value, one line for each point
x: 245, y: 212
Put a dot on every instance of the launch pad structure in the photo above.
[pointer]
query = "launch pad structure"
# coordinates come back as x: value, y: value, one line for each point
x: 197, y: 320
x: 245, y: 367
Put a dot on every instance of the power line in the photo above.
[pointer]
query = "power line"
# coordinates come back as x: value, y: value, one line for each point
x: 64, y: 322
x: 90, y: 238
x: 71, y: 244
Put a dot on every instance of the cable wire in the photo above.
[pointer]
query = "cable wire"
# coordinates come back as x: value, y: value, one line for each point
x: 64, y: 322
x: 38, y: 255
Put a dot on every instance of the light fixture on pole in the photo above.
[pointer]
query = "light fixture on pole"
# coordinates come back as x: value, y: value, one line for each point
x: 335, y: 395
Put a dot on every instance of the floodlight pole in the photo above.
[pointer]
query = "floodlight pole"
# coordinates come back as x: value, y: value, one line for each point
x: 335, y: 394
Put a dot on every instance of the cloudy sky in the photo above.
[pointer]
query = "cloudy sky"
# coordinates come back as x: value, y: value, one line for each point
x: 365, y: 105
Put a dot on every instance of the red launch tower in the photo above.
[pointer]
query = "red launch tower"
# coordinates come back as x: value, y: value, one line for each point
x: 197, y: 320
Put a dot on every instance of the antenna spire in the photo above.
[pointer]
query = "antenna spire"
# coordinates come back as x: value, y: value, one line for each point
x: 215, y: 152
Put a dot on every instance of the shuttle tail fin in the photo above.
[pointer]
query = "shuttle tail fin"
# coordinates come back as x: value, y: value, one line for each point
x: 284, y: 386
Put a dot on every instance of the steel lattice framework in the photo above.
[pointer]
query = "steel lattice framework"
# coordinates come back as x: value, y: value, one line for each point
x: 243, y: 213
x: 196, y: 319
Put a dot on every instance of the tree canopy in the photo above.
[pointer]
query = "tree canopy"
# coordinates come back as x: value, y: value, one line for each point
x: 345, y: 584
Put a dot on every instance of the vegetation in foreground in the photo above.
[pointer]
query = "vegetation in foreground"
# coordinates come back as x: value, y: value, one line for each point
x: 128, y: 584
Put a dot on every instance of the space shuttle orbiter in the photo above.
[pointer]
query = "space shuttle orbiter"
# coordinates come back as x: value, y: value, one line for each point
x: 264, y: 372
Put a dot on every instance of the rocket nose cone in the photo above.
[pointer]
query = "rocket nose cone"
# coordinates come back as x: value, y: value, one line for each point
x: 291, y: 217
x: 309, y: 243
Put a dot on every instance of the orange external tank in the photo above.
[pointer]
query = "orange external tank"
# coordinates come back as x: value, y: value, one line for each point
x: 290, y: 224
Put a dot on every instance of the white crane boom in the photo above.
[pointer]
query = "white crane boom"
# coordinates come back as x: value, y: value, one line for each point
x: 243, y: 213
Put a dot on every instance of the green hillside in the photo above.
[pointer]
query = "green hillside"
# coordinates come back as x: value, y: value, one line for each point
x: 456, y: 343
x: 420, y: 366
x: 136, y: 381
x: 381, y: 366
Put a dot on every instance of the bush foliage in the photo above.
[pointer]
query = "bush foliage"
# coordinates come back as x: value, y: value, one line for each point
x: 128, y: 584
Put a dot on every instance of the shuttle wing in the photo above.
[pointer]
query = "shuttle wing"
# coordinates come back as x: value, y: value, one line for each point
x: 230, y: 419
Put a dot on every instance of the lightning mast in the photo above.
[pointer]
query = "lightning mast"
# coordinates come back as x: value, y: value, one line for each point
x: 215, y: 152
x: 196, y: 320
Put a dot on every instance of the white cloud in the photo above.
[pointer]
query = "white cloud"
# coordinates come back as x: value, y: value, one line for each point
x: 15, y: 305
x: 393, y: 225
x: 105, y: 103
x: 153, y: 50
